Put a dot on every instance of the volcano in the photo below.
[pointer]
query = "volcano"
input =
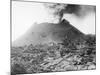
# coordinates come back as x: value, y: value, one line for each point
x: 49, y: 32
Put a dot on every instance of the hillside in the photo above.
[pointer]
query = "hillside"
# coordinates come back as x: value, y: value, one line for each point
x: 48, y: 32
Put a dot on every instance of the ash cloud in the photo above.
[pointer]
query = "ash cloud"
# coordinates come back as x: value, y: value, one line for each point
x: 58, y: 10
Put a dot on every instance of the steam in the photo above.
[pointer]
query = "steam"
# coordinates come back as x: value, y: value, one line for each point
x: 58, y: 10
x: 84, y: 10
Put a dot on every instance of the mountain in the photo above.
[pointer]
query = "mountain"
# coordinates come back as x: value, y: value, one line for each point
x: 49, y: 32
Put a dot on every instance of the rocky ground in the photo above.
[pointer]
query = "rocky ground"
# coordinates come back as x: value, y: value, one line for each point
x: 53, y: 58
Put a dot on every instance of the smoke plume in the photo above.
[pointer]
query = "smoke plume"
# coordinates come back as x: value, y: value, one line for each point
x: 58, y: 10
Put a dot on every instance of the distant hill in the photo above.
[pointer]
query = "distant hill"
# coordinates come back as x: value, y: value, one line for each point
x: 49, y: 32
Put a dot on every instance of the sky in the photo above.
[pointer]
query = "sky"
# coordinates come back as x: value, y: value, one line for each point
x: 25, y: 14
